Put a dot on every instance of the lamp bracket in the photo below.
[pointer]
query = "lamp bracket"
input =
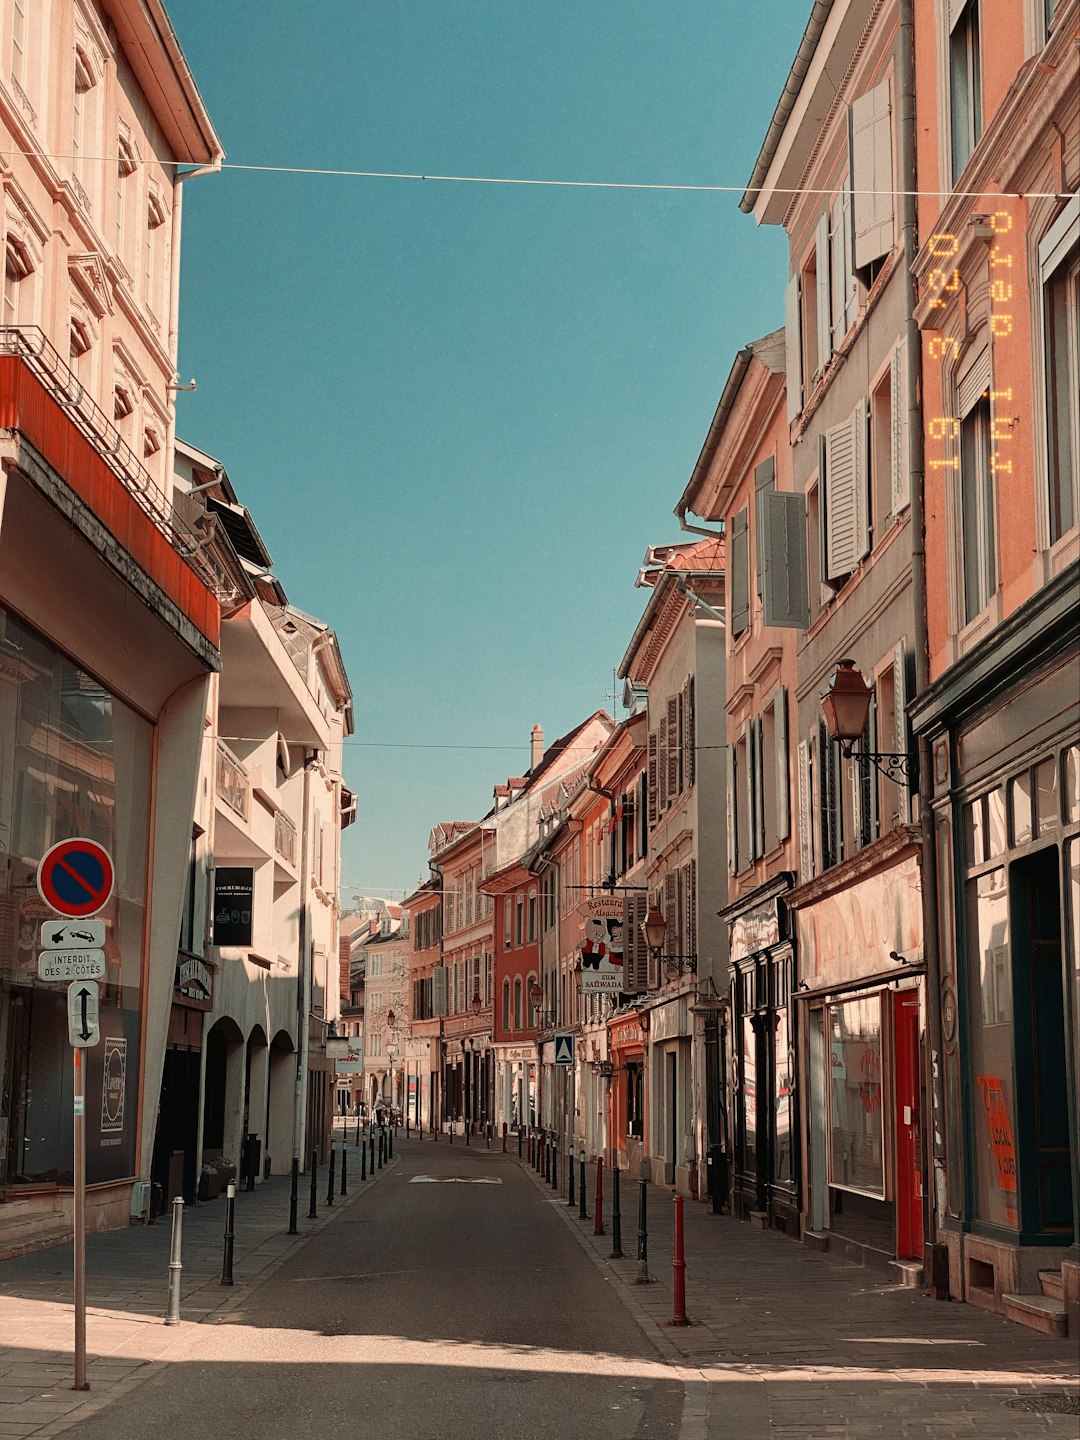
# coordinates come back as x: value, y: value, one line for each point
x: 891, y: 766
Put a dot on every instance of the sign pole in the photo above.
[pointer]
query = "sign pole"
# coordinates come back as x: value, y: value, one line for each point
x: 79, y: 1136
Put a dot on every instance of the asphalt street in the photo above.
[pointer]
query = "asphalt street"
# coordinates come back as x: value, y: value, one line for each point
x: 448, y: 1301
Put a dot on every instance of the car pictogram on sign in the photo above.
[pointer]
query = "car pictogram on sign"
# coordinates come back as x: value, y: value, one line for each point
x: 75, y: 877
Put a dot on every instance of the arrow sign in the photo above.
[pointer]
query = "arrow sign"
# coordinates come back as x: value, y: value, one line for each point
x: 564, y: 1049
x: 83, y: 1025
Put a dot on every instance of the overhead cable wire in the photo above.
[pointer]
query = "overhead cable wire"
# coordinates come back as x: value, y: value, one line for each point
x: 525, y: 180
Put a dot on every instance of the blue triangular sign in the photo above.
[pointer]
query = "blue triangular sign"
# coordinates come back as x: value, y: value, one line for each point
x: 564, y: 1049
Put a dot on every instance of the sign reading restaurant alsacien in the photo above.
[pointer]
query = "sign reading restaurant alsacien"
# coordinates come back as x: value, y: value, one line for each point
x: 602, y: 945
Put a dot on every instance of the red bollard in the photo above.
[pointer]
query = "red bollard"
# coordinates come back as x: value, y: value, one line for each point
x: 678, y: 1316
x: 504, y: 1137
x: 598, y: 1208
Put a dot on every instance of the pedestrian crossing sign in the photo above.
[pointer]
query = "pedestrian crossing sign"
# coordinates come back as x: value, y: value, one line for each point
x: 564, y: 1049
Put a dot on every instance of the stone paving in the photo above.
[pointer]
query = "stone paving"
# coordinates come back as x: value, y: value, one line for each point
x: 783, y: 1344
x: 794, y: 1345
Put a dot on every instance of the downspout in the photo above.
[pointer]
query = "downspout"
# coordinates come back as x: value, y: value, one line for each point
x: 303, y: 975
x: 174, y: 291
x: 934, y: 1268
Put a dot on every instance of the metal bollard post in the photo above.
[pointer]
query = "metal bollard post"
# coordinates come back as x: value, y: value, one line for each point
x: 382, y: 1148
x: 519, y: 1142
x: 344, y: 1184
x: 390, y: 1143
x: 598, y: 1227
x: 642, y: 1277
x: 230, y: 1235
x: 172, y: 1313
x: 547, y: 1158
x: 715, y: 1164
x: 330, y: 1187
x: 504, y: 1138
x: 312, y: 1212
x: 487, y: 1136
x: 371, y: 1143
x: 678, y: 1314
x: 358, y: 1130
x: 583, y: 1214
x: 363, y: 1162
x: 467, y: 1128
x: 571, y: 1196
x: 294, y: 1195
x: 408, y: 1121
x: 616, y: 1214
x: 554, y: 1166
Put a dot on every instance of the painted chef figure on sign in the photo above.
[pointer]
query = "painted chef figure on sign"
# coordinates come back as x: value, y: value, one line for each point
x: 603, y: 942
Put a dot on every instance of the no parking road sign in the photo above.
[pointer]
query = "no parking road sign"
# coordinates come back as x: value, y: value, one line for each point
x: 75, y: 877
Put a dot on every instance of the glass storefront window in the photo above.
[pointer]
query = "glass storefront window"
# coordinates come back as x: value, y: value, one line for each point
x: 990, y: 986
x: 1020, y: 804
x: 1072, y: 784
x: 997, y: 836
x: 856, y: 1097
x: 74, y: 761
x: 975, y: 831
x: 1046, y: 791
x: 1072, y: 937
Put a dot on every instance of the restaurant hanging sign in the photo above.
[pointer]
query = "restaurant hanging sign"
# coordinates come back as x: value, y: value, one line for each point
x: 234, y: 887
x: 601, y: 947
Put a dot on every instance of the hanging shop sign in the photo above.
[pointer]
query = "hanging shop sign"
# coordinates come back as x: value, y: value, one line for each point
x: 601, y: 947
x: 234, y: 887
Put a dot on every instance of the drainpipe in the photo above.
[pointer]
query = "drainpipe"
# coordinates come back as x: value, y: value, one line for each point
x: 303, y: 972
x: 933, y: 1250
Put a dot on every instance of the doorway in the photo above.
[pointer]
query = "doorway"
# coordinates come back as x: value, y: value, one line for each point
x: 1043, y: 1139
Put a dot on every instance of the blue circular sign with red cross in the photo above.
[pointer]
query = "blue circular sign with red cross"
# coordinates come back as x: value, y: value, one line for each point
x: 76, y: 877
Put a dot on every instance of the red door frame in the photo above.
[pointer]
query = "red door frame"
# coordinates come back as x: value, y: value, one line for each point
x: 908, y: 1126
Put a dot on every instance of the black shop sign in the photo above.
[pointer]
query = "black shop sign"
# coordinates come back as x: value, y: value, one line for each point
x: 233, y: 888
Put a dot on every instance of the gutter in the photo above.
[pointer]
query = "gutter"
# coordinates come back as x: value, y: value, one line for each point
x: 712, y: 440
x: 784, y: 106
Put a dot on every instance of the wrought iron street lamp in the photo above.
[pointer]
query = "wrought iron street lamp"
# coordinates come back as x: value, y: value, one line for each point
x: 545, y: 1019
x: 846, y: 707
x: 654, y: 929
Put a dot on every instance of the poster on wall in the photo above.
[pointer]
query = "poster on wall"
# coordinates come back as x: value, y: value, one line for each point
x: 234, y: 887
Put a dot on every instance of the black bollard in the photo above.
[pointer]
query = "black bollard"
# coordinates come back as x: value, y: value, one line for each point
x: 371, y: 1142
x: 642, y: 1277
x: 314, y: 1182
x: 554, y: 1167
x: 487, y: 1136
x: 230, y: 1216
x: 363, y: 1162
x: 468, y: 1127
x: 547, y: 1159
x: 382, y: 1148
x: 358, y: 1130
x: 519, y: 1142
x: 390, y: 1143
x: 571, y: 1198
x: 294, y: 1187
x: 583, y: 1214
x: 344, y: 1184
x: 330, y: 1187
x: 616, y: 1214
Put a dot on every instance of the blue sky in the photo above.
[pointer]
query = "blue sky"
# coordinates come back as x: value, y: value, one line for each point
x: 459, y: 413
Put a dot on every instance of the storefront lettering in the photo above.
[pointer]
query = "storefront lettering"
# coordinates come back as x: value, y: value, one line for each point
x: 1001, y: 1139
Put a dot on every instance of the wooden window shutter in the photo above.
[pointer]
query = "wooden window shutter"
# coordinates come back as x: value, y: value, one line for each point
x: 824, y: 306
x: 806, y: 849
x: 759, y: 786
x: 691, y: 734
x: 898, y: 407
x: 764, y: 484
x: 827, y: 798
x: 847, y: 530
x: 739, y: 560
x: 793, y: 347
x: 844, y: 295
x: 653, y: 777
x: 646, y: 811
x: 635, y: 951
x: 785, y: 590
x: 690, y: 891
x: 662, y: 795
x: 871, y: 153
x: 732, y: 813
x: 675, y: 737
x: 672, y: 942
x: 783, y: 798
x: 900, y: 699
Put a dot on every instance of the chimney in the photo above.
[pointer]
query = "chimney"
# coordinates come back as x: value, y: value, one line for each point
x: 537, y: 738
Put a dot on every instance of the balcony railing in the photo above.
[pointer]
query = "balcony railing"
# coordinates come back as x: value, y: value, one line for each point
x: 44, y: 362
x: 285, y: 837
x: 233, y: 785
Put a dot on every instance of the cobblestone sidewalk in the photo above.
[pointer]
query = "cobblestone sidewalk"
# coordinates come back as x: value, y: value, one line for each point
x: 792, y: 1345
